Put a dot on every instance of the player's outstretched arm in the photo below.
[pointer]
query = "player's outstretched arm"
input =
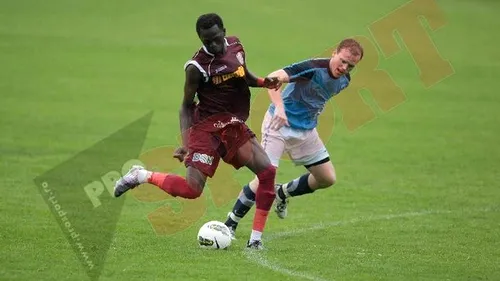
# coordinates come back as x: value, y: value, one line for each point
x: 191, y: 84
x: 299, y: 71
x: 252, y: 79
x: 267, y: 82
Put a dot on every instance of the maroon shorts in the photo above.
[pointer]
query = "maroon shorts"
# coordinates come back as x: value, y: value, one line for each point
x: 215, y: 138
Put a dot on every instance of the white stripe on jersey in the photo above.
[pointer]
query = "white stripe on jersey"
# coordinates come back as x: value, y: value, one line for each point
x: 195, y: 63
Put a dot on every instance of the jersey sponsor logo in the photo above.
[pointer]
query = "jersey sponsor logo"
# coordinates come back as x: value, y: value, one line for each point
x: 220, y: 68
x: 219, y: 124
x: 203, y: 158
x: 239, y: 73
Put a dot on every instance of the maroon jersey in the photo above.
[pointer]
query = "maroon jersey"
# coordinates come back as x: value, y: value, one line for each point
x: 224, y: 88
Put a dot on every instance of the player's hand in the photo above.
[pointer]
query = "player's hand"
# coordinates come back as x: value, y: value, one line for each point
x: 180, y: 153
x: 279, y: 119
x: 272, y: 83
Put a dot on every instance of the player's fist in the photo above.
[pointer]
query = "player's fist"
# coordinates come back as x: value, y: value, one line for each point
x: 272, y: 83
x: 180, y: 153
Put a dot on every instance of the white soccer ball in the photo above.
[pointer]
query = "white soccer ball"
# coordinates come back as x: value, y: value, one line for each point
x: 214, y: 235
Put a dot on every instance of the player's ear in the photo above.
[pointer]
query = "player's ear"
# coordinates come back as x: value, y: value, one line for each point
x: 224, y: 30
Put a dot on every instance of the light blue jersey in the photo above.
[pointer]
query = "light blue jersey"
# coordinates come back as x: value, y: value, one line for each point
x: 311, y: 86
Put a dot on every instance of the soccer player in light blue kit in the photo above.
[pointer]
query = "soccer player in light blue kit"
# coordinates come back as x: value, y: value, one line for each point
x: 290, y: 126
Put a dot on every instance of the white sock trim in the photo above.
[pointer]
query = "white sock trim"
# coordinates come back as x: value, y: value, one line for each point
x: 142, y: 176
x: 234, y: 217
x: 255, y: 236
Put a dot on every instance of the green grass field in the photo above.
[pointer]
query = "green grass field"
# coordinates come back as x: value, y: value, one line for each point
x: 418, y: 187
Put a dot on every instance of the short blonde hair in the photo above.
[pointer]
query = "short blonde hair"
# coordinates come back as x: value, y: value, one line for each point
x: 352, y: 45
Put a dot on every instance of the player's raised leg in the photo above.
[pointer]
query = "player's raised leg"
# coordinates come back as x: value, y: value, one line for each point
x: 205, y: 162
x: 189, y: 187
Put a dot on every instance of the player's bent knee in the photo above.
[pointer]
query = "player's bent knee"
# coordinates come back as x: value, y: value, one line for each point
x: 194, y: 192
x: 327, y: 180
x: 267, y: 175
x: 195, y: 189
x: 195, y: 183
x: 193, y: 195
x: 254, y: 184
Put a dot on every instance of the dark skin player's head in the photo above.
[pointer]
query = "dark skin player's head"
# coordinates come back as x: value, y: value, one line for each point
x: 212, y: 33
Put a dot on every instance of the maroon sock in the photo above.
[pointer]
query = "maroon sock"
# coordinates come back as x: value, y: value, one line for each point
x: 264, y: 197
x: 174, y: 185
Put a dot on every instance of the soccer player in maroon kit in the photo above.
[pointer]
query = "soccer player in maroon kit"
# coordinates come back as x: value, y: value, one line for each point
x: 215, y: 127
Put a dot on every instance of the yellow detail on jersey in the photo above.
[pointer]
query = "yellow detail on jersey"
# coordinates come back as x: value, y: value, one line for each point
x: 239, y: 73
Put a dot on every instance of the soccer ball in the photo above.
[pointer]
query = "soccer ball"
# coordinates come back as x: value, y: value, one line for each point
x: 214, y: 235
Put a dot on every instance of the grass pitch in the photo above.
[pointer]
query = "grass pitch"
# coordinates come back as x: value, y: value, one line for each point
x: 416, y: 153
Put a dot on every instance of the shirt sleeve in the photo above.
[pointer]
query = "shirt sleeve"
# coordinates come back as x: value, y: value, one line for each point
x: 303, y: 70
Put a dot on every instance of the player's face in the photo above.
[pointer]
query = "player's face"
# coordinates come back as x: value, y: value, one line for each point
x: 342, y: 62
x: 213, y: 39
